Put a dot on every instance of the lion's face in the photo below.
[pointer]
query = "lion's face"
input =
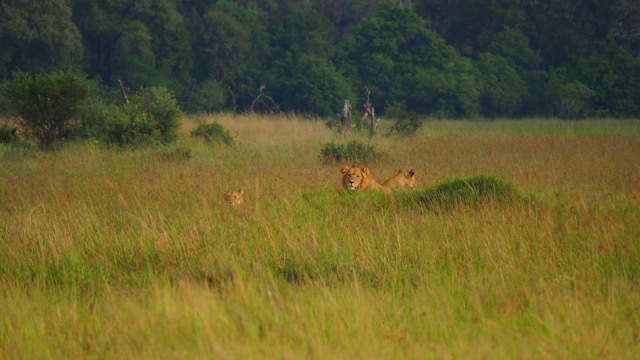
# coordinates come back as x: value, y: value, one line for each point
x: 411, y: 178
x: 234, y: 197
x: 354, y: 177
x: 359, y: 178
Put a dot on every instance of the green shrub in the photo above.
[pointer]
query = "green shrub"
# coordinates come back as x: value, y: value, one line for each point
x: 8, y: 134
x: 151, y: 117
x: 213, y: 133
x: 351, y: 152
x: 163, y: 108
x: 406, y: 122
x: 128, y: 126
x: 46, y: 105
x: 467, y: 191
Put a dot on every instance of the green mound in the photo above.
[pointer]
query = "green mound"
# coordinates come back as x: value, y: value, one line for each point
x: 467, y: 191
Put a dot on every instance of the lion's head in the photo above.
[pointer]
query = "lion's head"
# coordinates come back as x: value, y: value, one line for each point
x: 358, y: 177
x: 234, y: 197
x: 402, y: 179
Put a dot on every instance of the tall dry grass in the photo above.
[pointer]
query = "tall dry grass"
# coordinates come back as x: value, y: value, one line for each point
x: 133, y: 254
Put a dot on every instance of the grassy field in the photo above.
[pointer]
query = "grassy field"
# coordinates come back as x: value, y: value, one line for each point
x: 134, y: 254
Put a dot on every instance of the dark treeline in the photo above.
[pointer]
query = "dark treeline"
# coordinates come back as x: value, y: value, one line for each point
x: 445, y: 58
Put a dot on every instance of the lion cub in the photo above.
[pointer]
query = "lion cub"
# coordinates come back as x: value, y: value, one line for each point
x: 234, y: 197
x: 402, y: 179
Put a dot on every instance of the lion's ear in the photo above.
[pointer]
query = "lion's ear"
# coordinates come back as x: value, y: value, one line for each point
x: 240, y: 191
x: 365, y: 170
x: 345, y: 169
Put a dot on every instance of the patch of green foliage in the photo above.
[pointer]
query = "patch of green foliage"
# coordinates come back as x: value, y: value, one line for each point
x: 8, y: 134
x: 213, y: 133
x: 150, y: 117
x: 461, y: 191
x: 351, y: 152
x: 406, y: 122
x: 46, y: 105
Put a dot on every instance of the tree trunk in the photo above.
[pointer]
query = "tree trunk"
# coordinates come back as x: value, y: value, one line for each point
x: 345, y: 118
x: 369, y: 111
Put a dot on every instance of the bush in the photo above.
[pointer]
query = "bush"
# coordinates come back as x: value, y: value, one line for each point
x: 351, y: 152
x: 406, y: 122
x: 159, y: 104
x: 8, y: 134
x: 129, y: 126
x: 213, y: 133
x: 151, y: 117
x: 47, y: 105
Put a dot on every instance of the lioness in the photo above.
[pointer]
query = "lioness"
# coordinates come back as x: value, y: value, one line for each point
x: 359, y: 177
x: 402, y: 179
x: 234, y: 197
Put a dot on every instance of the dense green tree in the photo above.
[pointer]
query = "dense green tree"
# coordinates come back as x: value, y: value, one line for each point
x: 309, y: 84
x: 272, y: 11
x: 566, y: 98
x: 37, y: 36
x: 501, y: 89
x: 205, y: 96
x: 344, y: 14
x: 513, y: 45
x: 615, y: 79
x: 469, y: 25
x: 449, y: 91
x: 230, y: 44
x: 573, y: 58
x: 404, y: 62
x: 626, y: 26
x: 141, y: 42
x: 303, y: 32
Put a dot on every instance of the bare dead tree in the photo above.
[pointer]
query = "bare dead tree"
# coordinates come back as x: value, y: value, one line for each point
x: 263, y: 101
x: 345, y: 118
x: 125, y: 92
x: 369, y: 111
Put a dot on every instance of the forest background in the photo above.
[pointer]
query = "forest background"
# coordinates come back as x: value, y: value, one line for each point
x: 440, y: 58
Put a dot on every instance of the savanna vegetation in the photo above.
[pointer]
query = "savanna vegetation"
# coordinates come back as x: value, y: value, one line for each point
x: 521, y: 241
x: 124, y: 123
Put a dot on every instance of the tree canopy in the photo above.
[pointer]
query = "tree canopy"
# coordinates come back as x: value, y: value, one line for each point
x: 449, y: 58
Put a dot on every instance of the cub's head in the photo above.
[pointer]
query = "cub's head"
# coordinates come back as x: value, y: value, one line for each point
x: 234, y: 197
x: 353, y: 178
x: 411, y: 178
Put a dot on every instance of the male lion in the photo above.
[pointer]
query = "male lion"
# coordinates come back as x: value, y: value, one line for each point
x: 402, y: 179
x: 359, y: 177
x: 234, y: 197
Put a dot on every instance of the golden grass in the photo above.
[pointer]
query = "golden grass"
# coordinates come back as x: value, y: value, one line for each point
x: 134, y: 254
